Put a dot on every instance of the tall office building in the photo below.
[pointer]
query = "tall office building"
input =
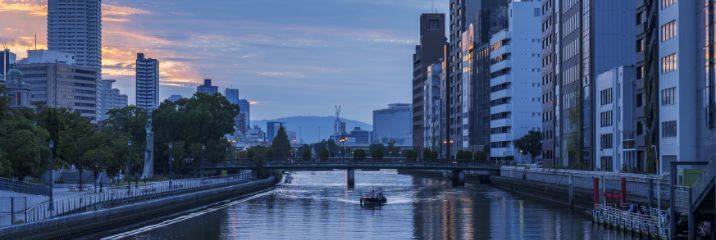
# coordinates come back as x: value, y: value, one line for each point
x: 232, y: 94
x: 514, y: 101
x: 393, y: 125
x: 109, y: 98
x: 147, y: 82
x: 243, y: 119
x: 614, y: 130
x: 430, y: 51
x: 75, y: 27
x: 580, y: 39
x: 272, y: 128
x: 7, y: 60
x: 207, y: 88
x: 432, y: 107
x: 60, y: 85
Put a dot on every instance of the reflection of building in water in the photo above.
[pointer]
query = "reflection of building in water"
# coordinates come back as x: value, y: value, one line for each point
x: 444, y: 216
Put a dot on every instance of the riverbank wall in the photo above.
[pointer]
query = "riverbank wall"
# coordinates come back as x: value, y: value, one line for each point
x: 554, y: 185
x: 91, y: 222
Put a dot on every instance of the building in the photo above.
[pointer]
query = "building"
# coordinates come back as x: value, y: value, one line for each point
x: 75, y: 27
x: 7, y: 60
x: 207, y: 88
x: 147, y: 82
x: 358, y: 136
x: 59, y: 85
x: 614, y: 136
x: 686, y: 76
x: 243, y: 119
x: 430, y: 51
x: 109, y: 98
x: 232, y: 94
x: 174, y: 98
x: 515, y: 101
x: 17, y: 90
x: 48, y: 56
x: 432, y: 106
x: 255, y: 135
x: 393, y: 124
x: 576, y: 47
x: 272, y: 128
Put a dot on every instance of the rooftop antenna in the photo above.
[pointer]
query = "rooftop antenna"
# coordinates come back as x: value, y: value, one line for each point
x: 35, y: 41
x: 337, y: 123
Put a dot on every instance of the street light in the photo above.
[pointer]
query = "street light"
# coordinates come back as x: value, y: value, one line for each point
x: 171, y: 171
x: 51, y: 206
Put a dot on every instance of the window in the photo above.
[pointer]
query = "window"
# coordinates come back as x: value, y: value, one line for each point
x: 668, y: 96
x: 606, y: 141
x: 669, y: 63
x: 668, y: 31
x: 607, y: 163
x: 668, y: 129
x: 667, y: 3
x: 640, y: 45
x: 605, y: 119
x: 605, y: 96
x: 639, y: 99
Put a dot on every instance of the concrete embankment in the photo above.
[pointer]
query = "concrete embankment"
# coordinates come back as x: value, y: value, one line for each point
x: 92, y: 222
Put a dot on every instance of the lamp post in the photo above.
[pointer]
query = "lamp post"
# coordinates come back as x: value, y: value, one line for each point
x: 171, y: 170
x: 201, y: 162
x: 129, y: 163
x: 51, y: 145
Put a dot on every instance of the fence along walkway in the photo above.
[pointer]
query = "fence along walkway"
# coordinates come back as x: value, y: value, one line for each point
x: 23, y: 187
x: 115, y: 196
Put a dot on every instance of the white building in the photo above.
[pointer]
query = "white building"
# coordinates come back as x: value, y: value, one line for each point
x: 48, y: 56
x: 614, y: 141
x: 75, y: 27
x: 432, y: 104
x: 393, y: 124
x: 515, y: 97
x: 109, y: 98
x: 147, y: 82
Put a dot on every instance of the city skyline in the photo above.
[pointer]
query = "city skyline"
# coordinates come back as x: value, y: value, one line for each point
x: 352, y: 48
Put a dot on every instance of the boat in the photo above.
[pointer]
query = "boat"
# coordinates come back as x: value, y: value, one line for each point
x: 373, y: 198
x: 288, y: 178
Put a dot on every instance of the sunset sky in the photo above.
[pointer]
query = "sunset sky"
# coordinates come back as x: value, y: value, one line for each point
x: 292, y: 57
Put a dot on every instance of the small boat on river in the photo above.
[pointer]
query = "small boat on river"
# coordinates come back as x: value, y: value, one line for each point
x: 373, y: 198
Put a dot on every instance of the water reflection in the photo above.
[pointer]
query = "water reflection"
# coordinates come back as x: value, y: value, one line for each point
x: 318, y: 206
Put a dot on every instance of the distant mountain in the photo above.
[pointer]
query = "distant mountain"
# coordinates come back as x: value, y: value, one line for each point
x: 307, y: 128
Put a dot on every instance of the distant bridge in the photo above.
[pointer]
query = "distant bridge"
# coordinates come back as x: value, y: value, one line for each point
x: 457, y: 168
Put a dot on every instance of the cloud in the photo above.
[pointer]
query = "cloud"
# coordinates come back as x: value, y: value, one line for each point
x: 32, y: 7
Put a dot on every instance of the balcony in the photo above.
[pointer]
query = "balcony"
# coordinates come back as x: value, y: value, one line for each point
x: 500, y: 65
x: 501, y: 152
x: 500, y: 51
x: 501, y: 94
x: 507, y: 107
x: 501, y: 79
x: 501, y: 123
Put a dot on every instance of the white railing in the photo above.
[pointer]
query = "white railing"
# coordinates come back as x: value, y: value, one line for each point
x: 116, y: 196
x: 653, y: 221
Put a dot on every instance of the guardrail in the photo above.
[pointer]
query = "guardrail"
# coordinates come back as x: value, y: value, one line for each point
x: 355, y: 163
x: 23, y: 187
x: 116, y: 196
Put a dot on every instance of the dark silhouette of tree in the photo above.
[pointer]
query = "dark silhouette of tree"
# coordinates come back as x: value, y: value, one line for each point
x: 531, y: 143
x: 281, y: 146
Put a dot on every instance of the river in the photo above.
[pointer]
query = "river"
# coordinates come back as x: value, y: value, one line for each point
x: 317, y: 205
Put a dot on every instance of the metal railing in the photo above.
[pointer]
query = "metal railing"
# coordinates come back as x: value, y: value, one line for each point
x: 653, y: 221
x: 117, y: 196
x: 707, y: 176
x: 23, y: 187
x: 368, y: 163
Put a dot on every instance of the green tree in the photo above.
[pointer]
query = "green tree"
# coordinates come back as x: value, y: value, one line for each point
x: 5, y: 165
x: 324, y: 155
x: 480, y: 156
x: 24, y: 145
x: 531, y: 143
x: 392, y: 149
x: 377, y: 151
x: 411, y: 155
x: 305, y: 152
x: 281, y: 146
x: 429, y: 155
x: 359, y: 154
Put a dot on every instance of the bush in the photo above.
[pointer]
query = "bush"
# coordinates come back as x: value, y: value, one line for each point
x: 480, y: 156
x: 464, y: 155
x: 359, y: 154
x: 411, y: 155
x: 323, y: 155
x: 377, y: 151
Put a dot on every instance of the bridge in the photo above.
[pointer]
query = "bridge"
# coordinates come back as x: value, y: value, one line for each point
x: 457, y: 168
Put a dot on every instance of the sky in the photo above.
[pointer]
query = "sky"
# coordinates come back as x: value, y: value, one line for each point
x: 289, y: 57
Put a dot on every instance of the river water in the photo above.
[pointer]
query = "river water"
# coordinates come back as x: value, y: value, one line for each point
x: 317, y: 205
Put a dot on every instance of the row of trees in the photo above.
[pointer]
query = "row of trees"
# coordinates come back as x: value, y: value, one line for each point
x: 195, y: 127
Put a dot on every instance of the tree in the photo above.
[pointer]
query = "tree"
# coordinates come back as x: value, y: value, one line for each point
x: 305, y: 152
x: 281, y: 146
x: 429, y: 155
x: 359, y: 154
x: 5, y: 166
x: 24, y: 147
x: 324, y: 155
x: 464, y: 155
x: 531, y: 143
x: 377, y: 151
x: 392, y: 149
x: 411, y: 155
x: 480, y: 156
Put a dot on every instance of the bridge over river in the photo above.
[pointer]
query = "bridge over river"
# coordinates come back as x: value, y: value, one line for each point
x: 457, y: 168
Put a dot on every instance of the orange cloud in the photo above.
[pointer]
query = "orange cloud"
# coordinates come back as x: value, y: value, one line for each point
x: 33, y: 7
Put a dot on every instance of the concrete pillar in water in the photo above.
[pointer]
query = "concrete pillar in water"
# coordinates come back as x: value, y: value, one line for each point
x: 458, y: 178
x: 351, y: 177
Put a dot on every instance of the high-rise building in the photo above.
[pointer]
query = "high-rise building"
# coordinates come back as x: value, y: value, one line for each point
x: 515, y: 102
x: 580, y: 39
x: 243, y: 119
x: 7, y: 60
x: 393, y: 125
x: 63, y: 86
x: 232, y: 94
x: 75, y: 27
x: 614, y: 131
x: 272, y: 128
x: 359, y: 137
x: 432, y: 106
x: 430, y: 51
x: 147, y: 82
x: 207, y: 88
x: 109, y: 98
